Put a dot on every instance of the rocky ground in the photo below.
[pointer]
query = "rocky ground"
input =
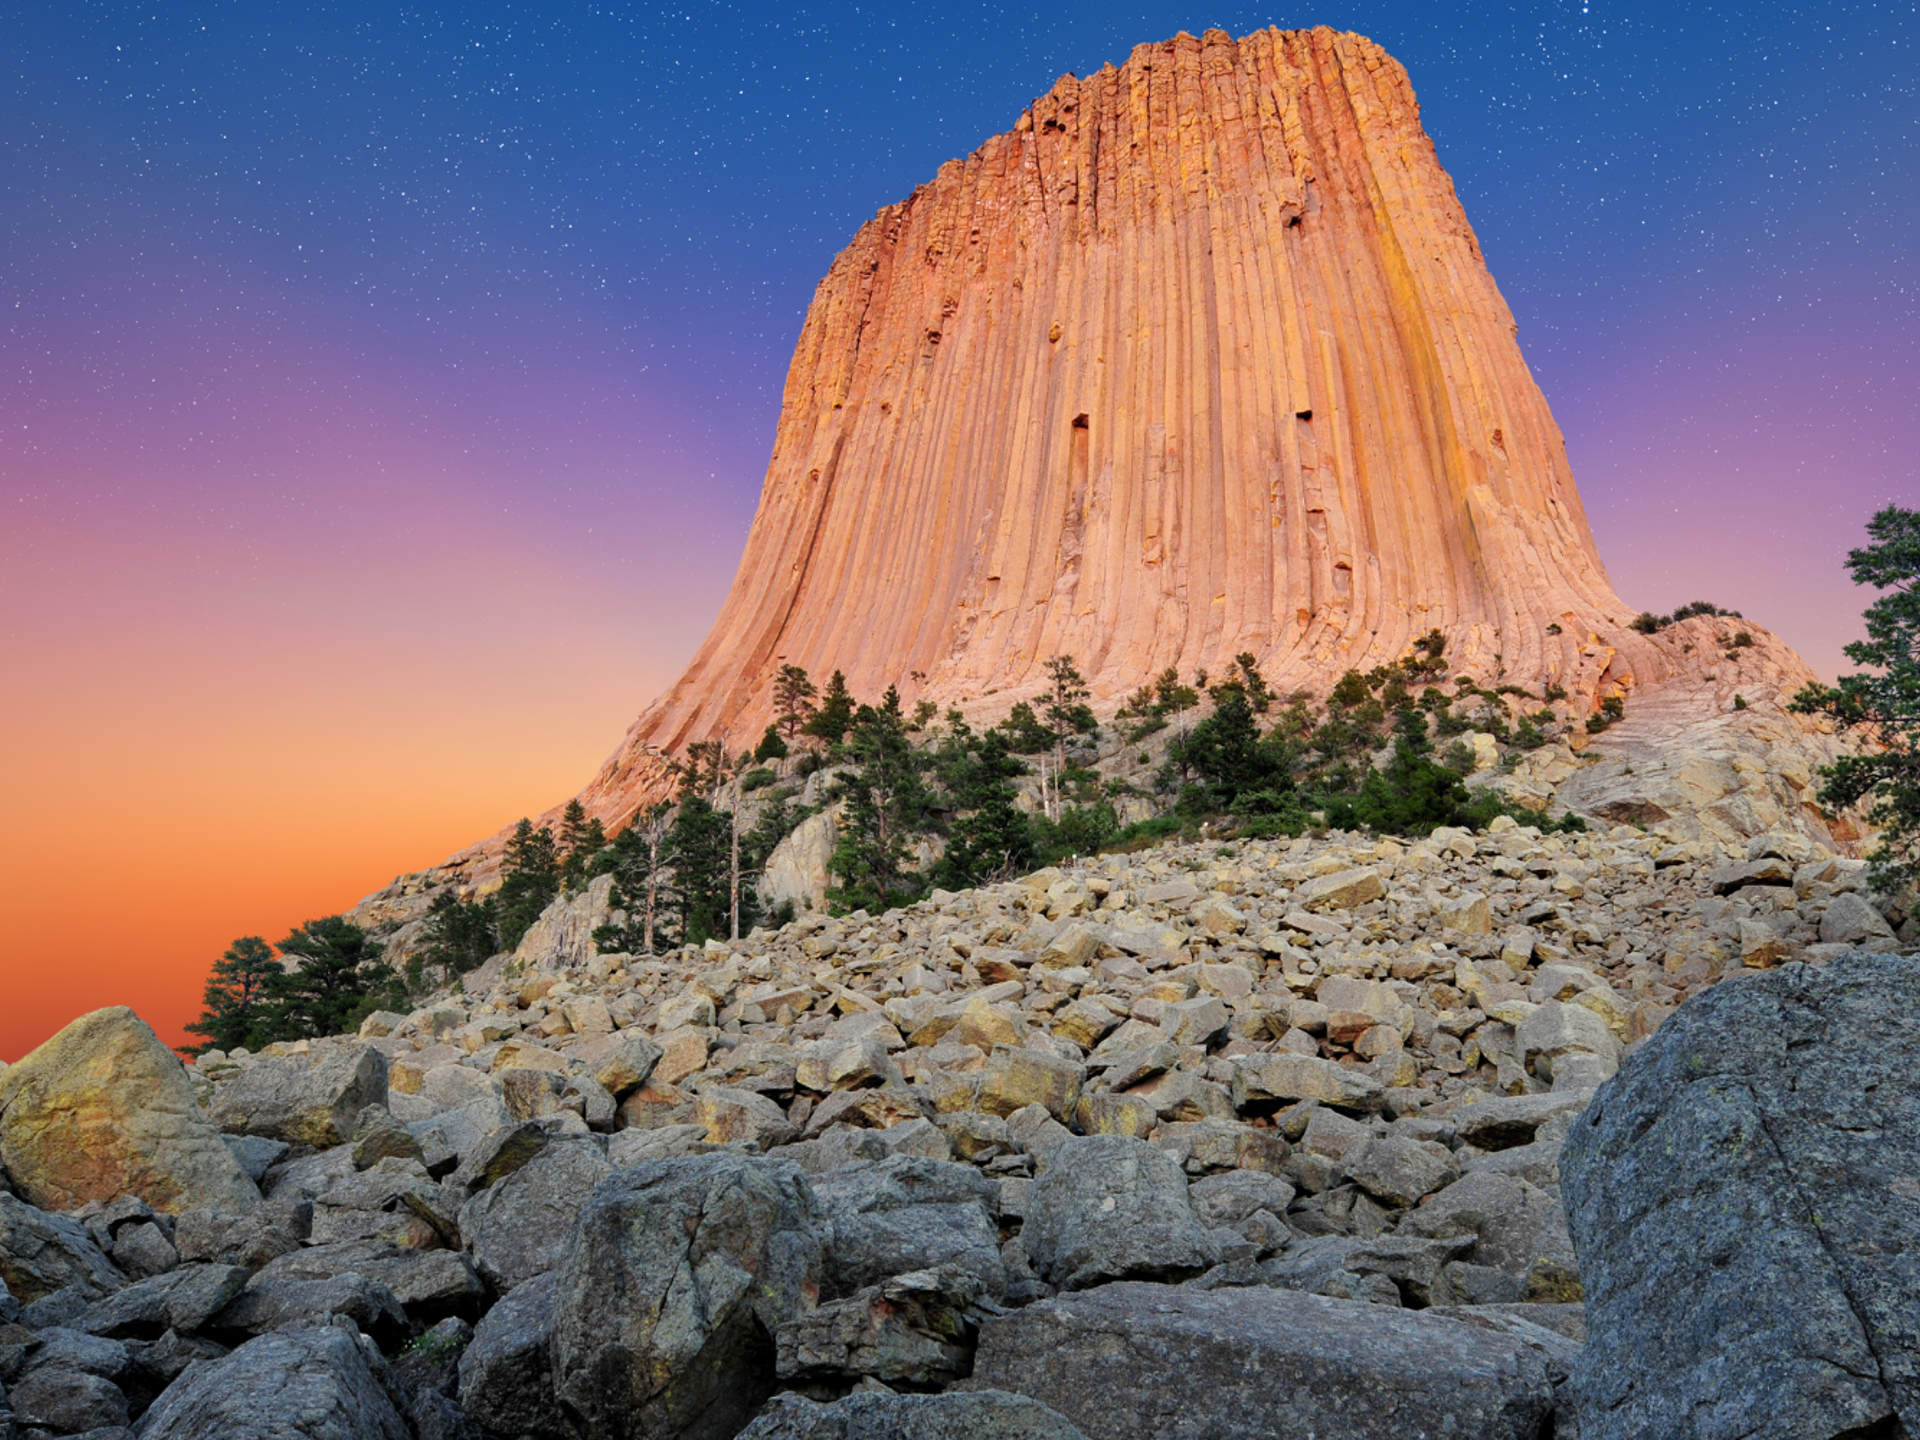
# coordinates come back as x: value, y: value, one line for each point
x: 1287, y: 1109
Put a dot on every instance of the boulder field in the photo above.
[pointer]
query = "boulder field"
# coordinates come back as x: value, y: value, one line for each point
x: 1500, y: 1134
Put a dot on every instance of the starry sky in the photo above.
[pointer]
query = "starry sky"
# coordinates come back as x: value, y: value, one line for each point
x: 385, y: 390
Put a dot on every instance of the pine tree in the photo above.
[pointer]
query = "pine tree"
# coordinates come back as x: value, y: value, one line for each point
x: 834, y: 718
x: 697, y: 848
x: 991, y: 837
x: 580, y: 840
x: 771, y: 747
x: 332, y: 980
x: 793, y: 696
x: 529, y: 879
x: 1884, y: 701
x: 640, y: 867
x: 236, y: 996
x: 460, y: 934
x: 1067, y: 712
x: 1259, y: 696
x: 886, y: 810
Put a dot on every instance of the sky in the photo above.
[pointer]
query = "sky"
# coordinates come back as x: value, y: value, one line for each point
x: 385, y: 391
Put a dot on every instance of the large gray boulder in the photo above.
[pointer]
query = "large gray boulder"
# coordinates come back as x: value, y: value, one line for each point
x: 1744, y: 1201
x: 42, y: 1253
x: 104, y: 1109
x: 909, y: 1213
x: 311, y: 1383
x: 678, y: 1276
x: 1110, y: 1208
x: 519, y: 1228
x: 303, y: 1099
x: 183, y: 1301
x: 1135, y: 1361
x: 1517, y: 1228
x: 68, y: 1401
x: 429, y: 1285
x: 506, y: 1371
x: 276, y: 1302
x: 980, y: 1415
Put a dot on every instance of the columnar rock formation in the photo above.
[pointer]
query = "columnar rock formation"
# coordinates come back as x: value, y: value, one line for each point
x: 1201, y: 357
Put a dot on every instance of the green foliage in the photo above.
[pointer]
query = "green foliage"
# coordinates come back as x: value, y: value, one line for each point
x: 793, y: 696
x: 887, y: 809
x: 236, y: 996
x: 530, y: 878
x: 835, y: 717
x: 1023, y: 732
x: 331, y: 981
x: 1259, y: 696
x: 990, y: 838
x: 1227, y: 753
x: 580, y: 840
x: 756, y: 780
x: 1647, y: 623
x: 1080, y: 830
x: 1067, y: 711
x: 771, y: 747
x: 700, y: 851
x: 1884, y: 702
x: 640, y: 864
x: 460, y: 934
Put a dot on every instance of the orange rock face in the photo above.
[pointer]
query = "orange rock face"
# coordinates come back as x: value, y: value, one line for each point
x: 1201, y: 357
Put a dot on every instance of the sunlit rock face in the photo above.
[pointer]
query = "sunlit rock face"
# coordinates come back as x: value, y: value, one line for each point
x: 1201, y: 357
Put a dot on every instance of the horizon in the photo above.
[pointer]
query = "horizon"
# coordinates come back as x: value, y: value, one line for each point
x: 343, y: 485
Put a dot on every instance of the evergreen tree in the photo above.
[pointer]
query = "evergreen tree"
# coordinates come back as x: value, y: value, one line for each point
x: 1259, y: 696
x: 580, y: 840
x: 793, y: 696
x: 991, y: 837
x: 640, y: 864
x: 1067, y: 711
x: 1023, y: 732
x: 705, y: 770
x: 237, y: 996
x: 697, y: 849
x: 1226, y: 751
x: 1170, y: 696
x: 1885, y: 704
x: 529, y: 879
x: 332, y: 980
x: 771, y: 747
x: 460, y: 934
x: 886, y: 810
x: 834, y: 718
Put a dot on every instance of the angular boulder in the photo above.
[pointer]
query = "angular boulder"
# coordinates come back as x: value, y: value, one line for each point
x: 42, y: 1253
x: 1743, y: 1199
x: 1153, y: 1362
x: 978, y: 1415
x: 907, y: 1213
x: 303, y: 1099
x: 678, y: 1276
x: 915, y: 1330
x: 1108, y: 1208
x: 506, y: 1371
x: 302, y: 1383
x: 429, y: 1284
x: 520, y: 1227
x: 102, y: 1110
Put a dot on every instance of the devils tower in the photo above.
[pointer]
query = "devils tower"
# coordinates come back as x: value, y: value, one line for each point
x: 1200, y: 357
